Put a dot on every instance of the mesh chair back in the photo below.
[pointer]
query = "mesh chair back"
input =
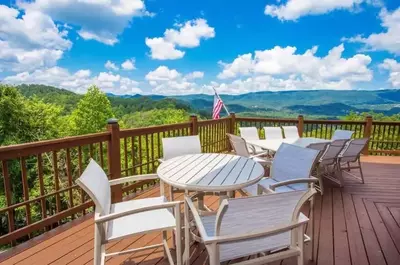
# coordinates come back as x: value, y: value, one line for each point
x: 95, y: 183
x: 342, y: 134
x: 293, y: 162
x: 249, y: 133
x: 290, y: 132
x: 239, y: 145
x: 273, y: 133
x: 321, y: 147
x: 353, y: 150
x: 178, y: 146
x: 331, y: 154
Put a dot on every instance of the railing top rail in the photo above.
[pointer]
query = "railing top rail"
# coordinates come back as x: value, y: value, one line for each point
x: 395, y: 123
x: 208, y: 122
x: 35, y: 148
x: 332, y: 122
x: 265, y: 119
x: 153, y: 129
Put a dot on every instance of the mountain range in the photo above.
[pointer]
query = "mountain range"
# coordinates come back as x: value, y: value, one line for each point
x: 315, y: 103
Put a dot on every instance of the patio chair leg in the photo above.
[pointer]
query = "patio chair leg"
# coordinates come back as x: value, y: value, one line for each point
x: 348, y: 166
x: 320, y: 181
x: 300, y: 238
x: 312, y: 222
x: 165, y: 237
x: 339, y: 174
x: 178, y: 237
x: 98, y: 248
x: 187, y: 232
x: 361, y: 172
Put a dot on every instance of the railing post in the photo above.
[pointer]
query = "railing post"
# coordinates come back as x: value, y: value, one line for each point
x: 233, y: 123
x: 367, y: 133
x: 114, y: 158
x: 300, y: 125
x: 194, y: 125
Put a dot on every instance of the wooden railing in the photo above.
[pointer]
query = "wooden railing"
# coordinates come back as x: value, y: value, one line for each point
x: 39, y: 178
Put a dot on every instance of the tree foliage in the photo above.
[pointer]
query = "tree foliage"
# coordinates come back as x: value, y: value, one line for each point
x: 91, y: 113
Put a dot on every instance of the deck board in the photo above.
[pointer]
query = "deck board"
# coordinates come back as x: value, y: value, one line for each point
x: 358, y: 224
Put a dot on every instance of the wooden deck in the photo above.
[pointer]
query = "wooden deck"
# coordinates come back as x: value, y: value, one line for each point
x: 359, y: 224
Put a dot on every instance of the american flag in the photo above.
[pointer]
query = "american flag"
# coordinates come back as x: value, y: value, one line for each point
x: 218, y: 104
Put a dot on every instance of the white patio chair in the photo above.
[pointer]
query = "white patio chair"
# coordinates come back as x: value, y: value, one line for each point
x: 251, y: 133
x: 241, y: 149
x: 291, y: 132
x: 273, y: 133
x: 351, y: 154
x: 271, y: 225
x: 342, y: 134
x: 179, y: 146
x: 321, y: 147
x: 128, y: 218
x: 328, y: 163
x: 291, y: 170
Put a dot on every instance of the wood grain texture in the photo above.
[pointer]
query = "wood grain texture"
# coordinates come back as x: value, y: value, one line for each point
x: 357, y: 224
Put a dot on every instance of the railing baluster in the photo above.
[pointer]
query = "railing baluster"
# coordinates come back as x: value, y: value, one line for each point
x: 8, y: 191
x: 69, y: 176
x: 56, y: 182
x: 25, y: 189
x: 41, y: 187
x: 80, y: 167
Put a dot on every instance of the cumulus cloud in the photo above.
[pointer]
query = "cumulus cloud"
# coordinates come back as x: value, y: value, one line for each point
x: 78, y: 81
x: 187, y: 35
x: 389, y: 40
x: 171, y: 82
x: 304, y: 71
x: 194, y: 75
x: 100, y: 20
x: 393, y: 67
x: 111, y: 66
x: 29, y: 40
x: 294, y: 9
x: 128, y: 65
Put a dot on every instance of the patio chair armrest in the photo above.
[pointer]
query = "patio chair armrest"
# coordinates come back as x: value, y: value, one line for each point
x: 261, y: 189
x: 293, y: 181
x: 161, y: 160
x: 256, y: 234
x: 260, y: 154
x: 112, y: 216
x: 196, y: 218
x: 133, y: 178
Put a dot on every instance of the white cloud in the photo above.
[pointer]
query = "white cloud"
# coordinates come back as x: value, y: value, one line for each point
x: 389, y: 40
x: 294, y: 9
x: 170, y: 82
x: 78, y: 81
x: 186, y: 35
x: 283, y: 67
x: 162, y: 73
x: 29, y: 40
x: 128, y: 65
x: 111, y: 66
x: 190, y: 33
x: 100, y: 20
x: 194, y: 75
x: 394, y: 71
x: 162, y: 50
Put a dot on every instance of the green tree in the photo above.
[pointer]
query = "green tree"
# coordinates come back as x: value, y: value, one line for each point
x: 154, y: 117
x: 91, y: 114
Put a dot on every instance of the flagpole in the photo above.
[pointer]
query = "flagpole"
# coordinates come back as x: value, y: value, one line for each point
x: 223, y: 104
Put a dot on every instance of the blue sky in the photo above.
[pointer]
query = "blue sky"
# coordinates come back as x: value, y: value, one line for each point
x: 184, y: 47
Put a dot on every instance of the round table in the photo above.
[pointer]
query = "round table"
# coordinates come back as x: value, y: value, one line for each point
x: 208, y: 173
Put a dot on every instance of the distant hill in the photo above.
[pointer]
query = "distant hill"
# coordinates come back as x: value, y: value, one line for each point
x: 324, y: 103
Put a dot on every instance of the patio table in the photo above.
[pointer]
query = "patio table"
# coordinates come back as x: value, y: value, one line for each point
x: 208, y: 172
x: 274, y: 144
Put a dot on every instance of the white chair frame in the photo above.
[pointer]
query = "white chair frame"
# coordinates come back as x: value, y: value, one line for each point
x: 214, y: 241
x: 251, y: 133
x: 350, y: 155
x: 273, y: 133
x: 291, y: 132
x: 103, y: 215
